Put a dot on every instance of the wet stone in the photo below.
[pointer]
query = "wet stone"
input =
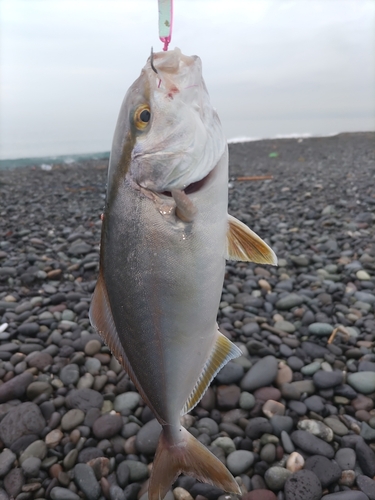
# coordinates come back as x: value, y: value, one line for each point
x: 363, y: 382
x: 327, y: 380
x: 320, y: 329
x: 137, y: 470
x: 127, y: 401
x: 69, y: 374
x: 276, y: 477
x: 303, y: 484
x: 345, y: 457
x: 72, y: 419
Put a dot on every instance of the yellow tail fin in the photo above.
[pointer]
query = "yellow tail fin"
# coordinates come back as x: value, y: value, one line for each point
x: 188, y: 457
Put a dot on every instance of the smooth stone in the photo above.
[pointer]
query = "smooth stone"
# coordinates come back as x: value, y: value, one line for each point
x: 287, y: 442
x: 303, y: 485
x: 313, y: 350
x: 122, y: 474
x: 311, y: 368
x: 259, y: 494
x: 147, y: 438
x: 347, y: 495
x: 138, y: 471
x: 326, y: 470
x: 281, y: 423
x: 89, y: 453
x: 298, y: 407
x: 367, y: 432
x: 127, y: 401
x: 363, y: 382
x: 86, y: 481
x: 36, y: 449
x: 15, y: 388
x: 367, y: 486
x: 107, y: 426
x: 337, y: 426
x: 289, y: 301
x: 230, y: 374
x: 345, y: 457
x: 7, y: 458
x: 263, y: 373
x: 225, y: 443
x: 312, y: 444
x: 239, y: 461
x: 39, y: 360
x: 69, y: 374
x: 14, y: 481
x: 276, y: 477
x: 21, y: 420
x: 37, y: 388
x: 285, y: 326
x: 72, y: 419
x: 365, y: 457
x: 295, y: 363
x: 302, y: 386
x: 320, y: 329
x: 208, y: 426
x: 247, y: 401
x: 316, y: 428
x: 31, y: 466
x: 314, y: 403
x: 84, y: 399
x: 258, y: 426
x: 327, y: 380
x: 58, y: 493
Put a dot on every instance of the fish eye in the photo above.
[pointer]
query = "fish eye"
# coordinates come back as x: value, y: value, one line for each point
x: 142, y: 116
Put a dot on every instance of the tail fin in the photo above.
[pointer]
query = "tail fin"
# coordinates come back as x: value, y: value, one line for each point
x: 189, y: 457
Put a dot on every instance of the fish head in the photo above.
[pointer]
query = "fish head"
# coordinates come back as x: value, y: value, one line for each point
x: 168, y: 135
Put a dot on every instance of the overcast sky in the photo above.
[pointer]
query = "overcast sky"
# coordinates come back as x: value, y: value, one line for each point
x: 271, y: 66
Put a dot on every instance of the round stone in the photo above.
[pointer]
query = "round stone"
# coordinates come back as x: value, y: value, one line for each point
x: 275, y: 477
x: 320, y: 329
x: 327, y: 471
x: 363, y: 382
x: 239, y: 461
x: 69, y: 374
x: 127, y: 401
x: 225, y: 443
x: 138, y: 471
x: 148, y: 437
x: 58, y: 493
x: 247, y: 401
x: 263, y: 373
x: 86, y: 481
x: 92, y: 347
x: 107, y: 425
x: 72, y: 419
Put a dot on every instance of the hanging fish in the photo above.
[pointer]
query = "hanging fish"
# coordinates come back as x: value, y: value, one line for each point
x: 165, y: 237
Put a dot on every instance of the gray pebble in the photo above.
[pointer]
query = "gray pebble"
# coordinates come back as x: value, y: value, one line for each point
x: 58, y: 493
x: 7, y: 458
x: 147, y: 438
x: 275, y: 477
x: 303, y: 485
x: 239, y: 461
x: 263, y: 373
x: 86, y: 481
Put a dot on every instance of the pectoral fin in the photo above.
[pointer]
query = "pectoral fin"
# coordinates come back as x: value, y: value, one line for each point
x: 244, y: 245
x: 224, y: 350
x: 102, y: 320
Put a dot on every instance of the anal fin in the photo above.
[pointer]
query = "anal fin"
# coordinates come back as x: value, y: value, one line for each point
x: 101, y: 319
x: 245, y: 245
x: 224, y: 350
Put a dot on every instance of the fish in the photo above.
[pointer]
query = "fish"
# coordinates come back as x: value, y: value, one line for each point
x: 166, y: 235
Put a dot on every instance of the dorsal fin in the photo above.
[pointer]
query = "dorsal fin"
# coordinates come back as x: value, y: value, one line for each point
x: 101, y: 319
x: 243, y: 244
x: 223, y: 351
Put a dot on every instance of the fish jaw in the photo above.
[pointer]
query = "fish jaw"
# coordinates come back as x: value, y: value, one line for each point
x: 184, y: 139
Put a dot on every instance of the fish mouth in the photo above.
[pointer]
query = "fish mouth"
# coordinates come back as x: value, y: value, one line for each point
x: 193, y: 187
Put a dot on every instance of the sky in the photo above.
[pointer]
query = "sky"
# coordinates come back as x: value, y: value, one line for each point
x: 271, y: 67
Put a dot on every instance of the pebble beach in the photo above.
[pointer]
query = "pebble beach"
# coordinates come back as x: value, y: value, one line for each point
x: 293, y: 418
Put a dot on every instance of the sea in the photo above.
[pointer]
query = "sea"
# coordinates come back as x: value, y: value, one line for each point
x: 47, y: 162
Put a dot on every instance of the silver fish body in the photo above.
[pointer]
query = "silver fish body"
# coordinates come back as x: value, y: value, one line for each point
x: 165, y: 237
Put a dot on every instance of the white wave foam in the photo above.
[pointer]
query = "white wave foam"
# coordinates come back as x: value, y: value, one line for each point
x: 46, y: 167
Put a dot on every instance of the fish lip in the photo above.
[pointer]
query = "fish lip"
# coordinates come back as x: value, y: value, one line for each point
x: 193, y: 187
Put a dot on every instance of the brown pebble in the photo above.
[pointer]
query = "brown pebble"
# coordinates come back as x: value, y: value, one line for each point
x: 261, y: 271
x: 265, y: 285
x: 272, y: 408
x: 104, y: 484
x: 266, y: 393
x: 129, y: 446
x: 100, y: 466
x: 284, y: 375
x: 53, y: 438
x: 30, y: 487
x: 63, y: 478
x: 92, y: 347
x: 54, y: 470
x: 54, y: 274
x: 362, y: 415
x: 279, y: 452
x: 362, y: 402
x: 228, y: 396
x: 181, y: 494
x: 74, y: 436
x: 103, y: 358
